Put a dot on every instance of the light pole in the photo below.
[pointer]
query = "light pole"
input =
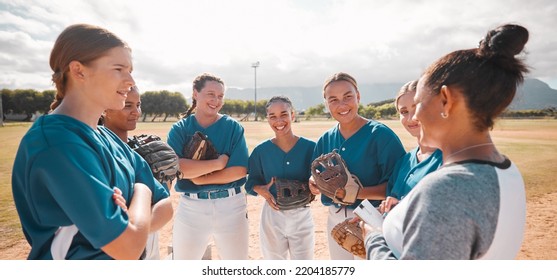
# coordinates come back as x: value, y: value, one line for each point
x: 1, y: 112
x: 255, y: 65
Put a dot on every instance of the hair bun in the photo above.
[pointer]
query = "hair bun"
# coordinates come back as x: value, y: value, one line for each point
x: 506, y: 40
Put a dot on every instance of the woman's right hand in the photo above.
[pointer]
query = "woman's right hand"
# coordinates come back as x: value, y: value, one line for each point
x: 263, y: 190
x: 313, y: 187
x: 387, y: 204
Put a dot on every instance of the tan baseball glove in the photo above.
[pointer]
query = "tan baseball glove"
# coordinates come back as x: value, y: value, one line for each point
x: 292, y: 194
x: 349, y: 236
x: 200, y: 148
x: 333, y: 179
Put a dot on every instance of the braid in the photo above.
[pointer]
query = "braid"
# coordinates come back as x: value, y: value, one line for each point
x: 190, y: 110
x: 198, y: 85
x: 58, y: 80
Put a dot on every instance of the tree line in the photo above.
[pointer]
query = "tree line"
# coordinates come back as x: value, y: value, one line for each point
x: 154, y: 104
x: 164, y: 104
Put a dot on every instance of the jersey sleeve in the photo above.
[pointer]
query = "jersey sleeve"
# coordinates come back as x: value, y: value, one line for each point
x: 377, y: 248
x: 239, y: 155
x: 393, y: 179
x: 142, y: 170
x: 73, y: 176
x: 319, y: 149
x: 143, y: 174
x: 390, y: 151
x: 255, y: 172
x: 176, y: 138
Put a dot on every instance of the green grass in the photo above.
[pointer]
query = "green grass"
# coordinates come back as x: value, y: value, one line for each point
x: 10, y: 229
x: 530, y: 144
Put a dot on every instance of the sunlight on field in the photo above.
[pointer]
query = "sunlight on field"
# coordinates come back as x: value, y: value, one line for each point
x: 9, y: 223
x: 530, y: 144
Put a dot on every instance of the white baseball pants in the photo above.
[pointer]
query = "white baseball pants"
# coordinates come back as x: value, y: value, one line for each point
x: 286, y: 232
x: 152, y: 247
x: 225, y: 219
x: 335, y: 251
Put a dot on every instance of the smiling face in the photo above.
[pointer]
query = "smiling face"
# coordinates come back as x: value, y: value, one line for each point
x: 210, y: 99
x: 108, y: 79
x: 126, y: 119
x: 280, y: 117
x: 406, y: 109
x: 342, y: 100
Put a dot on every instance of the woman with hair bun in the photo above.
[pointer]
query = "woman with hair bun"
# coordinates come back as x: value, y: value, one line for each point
x: 474, y: 206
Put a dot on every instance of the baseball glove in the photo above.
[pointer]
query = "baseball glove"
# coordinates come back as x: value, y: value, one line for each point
x: 200, y: 148
x: 349, y: 237
x: 160, y: 156
x: 292, y: 194
x: 333, y: 179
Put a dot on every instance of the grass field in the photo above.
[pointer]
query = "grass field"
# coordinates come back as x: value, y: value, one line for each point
x: 530, y: 144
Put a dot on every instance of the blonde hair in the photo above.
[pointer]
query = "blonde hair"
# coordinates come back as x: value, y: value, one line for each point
x: 411, y: 86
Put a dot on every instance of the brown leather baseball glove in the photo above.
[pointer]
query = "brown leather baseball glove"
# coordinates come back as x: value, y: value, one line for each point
x: 292, y: 194
x: 200, y: 148
x: 333, y: 179
x: 349, y: 236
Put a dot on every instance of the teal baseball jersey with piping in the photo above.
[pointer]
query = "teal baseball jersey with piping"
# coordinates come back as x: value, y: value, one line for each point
x: 370, y: 154
x: 226, y: 134
x: 267, y: 160
x: 62, y: 181
x: 408, y: 172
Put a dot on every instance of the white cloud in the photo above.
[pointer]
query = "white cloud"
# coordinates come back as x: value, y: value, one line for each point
x: 299, y: 43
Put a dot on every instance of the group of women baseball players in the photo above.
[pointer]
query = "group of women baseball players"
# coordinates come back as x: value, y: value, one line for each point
x: 82, y: 193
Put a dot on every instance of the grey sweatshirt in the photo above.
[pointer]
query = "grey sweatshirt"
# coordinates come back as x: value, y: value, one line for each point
x: 452, y: 213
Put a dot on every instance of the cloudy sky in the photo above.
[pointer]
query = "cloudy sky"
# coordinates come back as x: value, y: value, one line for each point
x: 298, y: 42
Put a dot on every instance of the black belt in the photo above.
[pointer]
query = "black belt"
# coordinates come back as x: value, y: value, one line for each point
x: 215, y: 194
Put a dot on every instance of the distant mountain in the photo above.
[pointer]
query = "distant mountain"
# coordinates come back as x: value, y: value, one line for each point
x: 305, y: 97
x: 533, y: 94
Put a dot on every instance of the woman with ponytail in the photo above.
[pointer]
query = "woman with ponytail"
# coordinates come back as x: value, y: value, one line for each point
x: 212, y: 203
x: 474, y: 206
x: 80, y: 192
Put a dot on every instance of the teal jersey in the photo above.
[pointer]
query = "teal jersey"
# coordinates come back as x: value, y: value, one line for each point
x: 226, y: 134
x: 63, y: 177
x: 267, y: 160
x: 408, y: 172
x: 370, y: 154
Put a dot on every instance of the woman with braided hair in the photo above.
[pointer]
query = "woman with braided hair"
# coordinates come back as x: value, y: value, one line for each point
x: 212, y: 203
x: 474, y: 206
